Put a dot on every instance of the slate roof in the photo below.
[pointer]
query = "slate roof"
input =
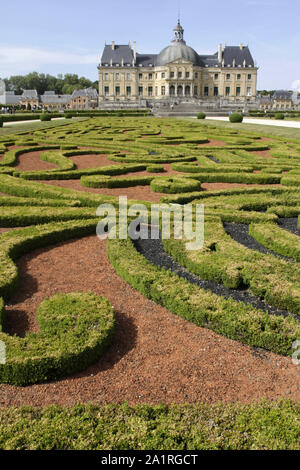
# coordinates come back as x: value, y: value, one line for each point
x: 235, y: 52
x: 30, y: 95
x: 146, y: 59
x: 282, y: 95
x: 120, y: 52
x: 49, y: 97
x: 230, y: 53
x: 86, y: 93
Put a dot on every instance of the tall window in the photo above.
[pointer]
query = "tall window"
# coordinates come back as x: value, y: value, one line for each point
x: 172, y: 74
x: 238, y: 91
x: 140, y: 76
x: 196, y: 75
x: 117, y: 91
x: 249, y: 91
x: 150, y: 76
x: 216, y: 76
x: 128, y: 90
x: 106, y: 90
x: 216, y: 91
x: 163, y: 91
x: 150, y: 91
x: 128, y: 76
x: 179, y: 74
x: 238, y: 77
x: 140, y: 91
x: 163, y: 75
x: 249, y: 76
x: 117, y: 76
x: 106, y: 76
x: 227, y: 91
x: 195, y: 90
x: 206, y: 90
x: 187, y: 74
x: 228, y: 76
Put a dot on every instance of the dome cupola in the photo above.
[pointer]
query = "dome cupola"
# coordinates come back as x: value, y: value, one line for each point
x: 177, y: 49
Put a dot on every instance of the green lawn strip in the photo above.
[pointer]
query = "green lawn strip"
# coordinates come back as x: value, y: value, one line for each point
x: 257, y: 426
x: 277, y: 239
x: 232, y: 319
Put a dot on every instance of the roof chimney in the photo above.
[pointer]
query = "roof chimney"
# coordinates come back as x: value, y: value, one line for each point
x: 220, y: 53
x: 113, y: 46
x: 129, y: 43
x: 134, y: 51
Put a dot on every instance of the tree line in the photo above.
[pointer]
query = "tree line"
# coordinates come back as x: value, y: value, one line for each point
x: 62, y: 84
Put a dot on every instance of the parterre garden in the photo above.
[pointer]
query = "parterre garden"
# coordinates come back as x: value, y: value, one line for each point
x: 244, y: 284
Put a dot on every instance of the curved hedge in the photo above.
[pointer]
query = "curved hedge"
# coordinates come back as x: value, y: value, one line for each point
x: 108, y: 182
x: 76, y: 329
x: 174, y: 184
x: 232, y: 319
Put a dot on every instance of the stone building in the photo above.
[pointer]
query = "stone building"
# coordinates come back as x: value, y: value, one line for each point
x: 177, y: 72
x: 84, y: 99
x: 9, y: 98
x: 29, y: 98
x: 281, y: 100
x: 50, y: 100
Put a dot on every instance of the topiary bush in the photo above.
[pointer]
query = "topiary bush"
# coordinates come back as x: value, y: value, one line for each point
x: 279, y: 116
x: 236, y: 117
x: 201, y: 116
x: 45, y: 117
x: 173, y: 185
x: 155, y: 168
x: 1, y: 122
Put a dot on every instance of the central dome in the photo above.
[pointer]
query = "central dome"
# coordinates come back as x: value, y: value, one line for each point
x: 177, y: 50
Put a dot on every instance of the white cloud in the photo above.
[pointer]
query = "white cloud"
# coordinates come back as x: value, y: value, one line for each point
x: 17, y: 60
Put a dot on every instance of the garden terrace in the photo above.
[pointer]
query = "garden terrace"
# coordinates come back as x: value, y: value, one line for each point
x: 151, y: 317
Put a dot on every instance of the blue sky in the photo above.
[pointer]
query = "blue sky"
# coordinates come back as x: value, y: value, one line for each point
x: 67, y: 36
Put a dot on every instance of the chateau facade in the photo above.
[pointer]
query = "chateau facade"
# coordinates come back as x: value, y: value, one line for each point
x: 177, y: 72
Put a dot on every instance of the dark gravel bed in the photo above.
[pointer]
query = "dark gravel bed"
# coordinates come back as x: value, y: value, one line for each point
x: 290, y: 224
x: 240, y: 233
x: 213, y: 159
x: 154, y: 251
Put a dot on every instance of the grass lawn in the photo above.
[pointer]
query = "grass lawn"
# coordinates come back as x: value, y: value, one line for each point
x: 34, y: 126
x: 265, y: 131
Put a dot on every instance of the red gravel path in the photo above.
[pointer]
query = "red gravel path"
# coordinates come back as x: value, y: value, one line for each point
x: 156, y: 356
x: 31, y: 162
x: 90, y: 161
x: 142, y: 193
